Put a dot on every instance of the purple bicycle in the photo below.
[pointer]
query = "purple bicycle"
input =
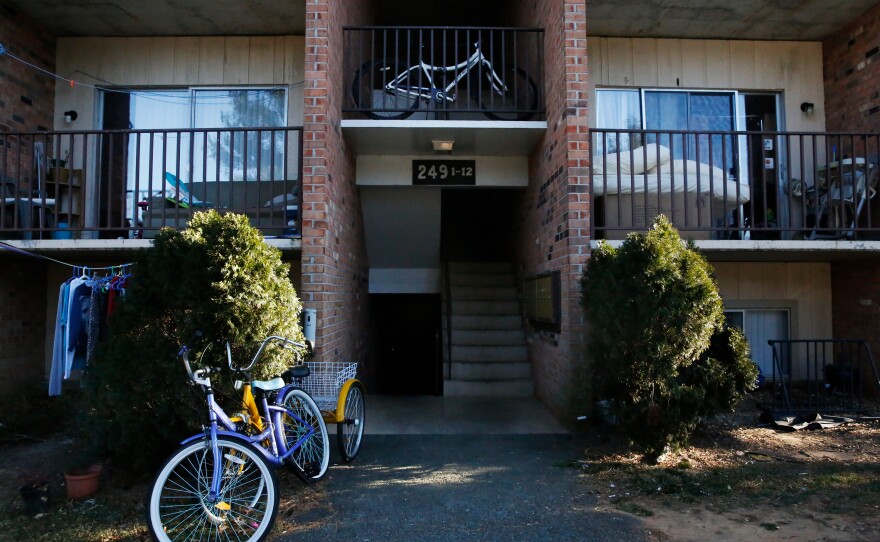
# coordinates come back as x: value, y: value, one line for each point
x: 221, y: 484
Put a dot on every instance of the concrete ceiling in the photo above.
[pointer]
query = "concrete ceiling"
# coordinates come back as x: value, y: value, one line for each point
x: 796, y: 20
x: 800, y: 20
x: 167, y: 17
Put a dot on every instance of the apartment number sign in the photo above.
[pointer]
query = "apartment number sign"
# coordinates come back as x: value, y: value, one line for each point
x: 444, y: 172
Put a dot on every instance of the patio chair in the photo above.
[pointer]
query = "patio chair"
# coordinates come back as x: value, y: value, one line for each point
x: 850, y: 184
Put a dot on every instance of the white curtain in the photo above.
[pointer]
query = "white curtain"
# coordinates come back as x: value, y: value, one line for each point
x: 618, y: 109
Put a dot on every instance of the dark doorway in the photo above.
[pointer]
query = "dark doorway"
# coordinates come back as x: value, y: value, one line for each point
x: 477, y: 225
x: 114, y: 149
x: 763, y: 210
x: 407, y: 343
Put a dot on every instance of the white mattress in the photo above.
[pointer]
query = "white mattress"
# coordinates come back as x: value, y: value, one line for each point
x: 729, y: 192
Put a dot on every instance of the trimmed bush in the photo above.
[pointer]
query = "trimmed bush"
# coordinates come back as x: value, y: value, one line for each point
x: 661, y: 354
x: 217, y: 276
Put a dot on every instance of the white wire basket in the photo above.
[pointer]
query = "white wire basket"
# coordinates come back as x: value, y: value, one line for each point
x: 326, y: 379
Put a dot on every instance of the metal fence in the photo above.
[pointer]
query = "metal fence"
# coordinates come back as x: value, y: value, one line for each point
x: 822, y: 375
x: 444, y: 73
x: 736, y: 185
x: 131, y: 183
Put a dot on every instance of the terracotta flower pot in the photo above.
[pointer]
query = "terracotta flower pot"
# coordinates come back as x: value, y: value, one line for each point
x: 83, y: 483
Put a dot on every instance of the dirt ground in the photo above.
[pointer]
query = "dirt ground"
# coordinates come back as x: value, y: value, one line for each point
x: 756, y: 483
x: 736, y: 482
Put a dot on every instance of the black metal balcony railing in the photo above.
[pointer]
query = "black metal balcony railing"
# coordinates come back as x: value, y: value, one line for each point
x: 131, y: 183
x: 822, y: 375
x: 444, y: 73
x: 736, y: 185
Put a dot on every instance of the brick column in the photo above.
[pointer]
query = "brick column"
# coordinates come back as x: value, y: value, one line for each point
x: 555, y: 232
x: 851, y: 58
x: 334, y: 265
x: 22, y: 321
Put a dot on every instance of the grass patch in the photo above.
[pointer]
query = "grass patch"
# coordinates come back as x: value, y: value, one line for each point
x: 851, y: 488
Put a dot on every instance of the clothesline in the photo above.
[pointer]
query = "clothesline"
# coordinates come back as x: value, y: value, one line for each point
x: 13, y: 248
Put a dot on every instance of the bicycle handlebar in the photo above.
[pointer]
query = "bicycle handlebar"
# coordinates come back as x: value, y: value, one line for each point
x: 287, y: 343
x: 201, y: 373
x: 184, y: 352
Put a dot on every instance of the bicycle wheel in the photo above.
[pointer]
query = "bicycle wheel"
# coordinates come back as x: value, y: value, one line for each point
x: 179, y: 505
x: 313, y: 456
x: 370, y: 95
x: 519, y: 101
x: 351, y: 429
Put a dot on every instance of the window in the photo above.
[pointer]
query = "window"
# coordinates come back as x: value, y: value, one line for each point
x: 227, y: 154
x: 672, y: 110
x: 760, y: 326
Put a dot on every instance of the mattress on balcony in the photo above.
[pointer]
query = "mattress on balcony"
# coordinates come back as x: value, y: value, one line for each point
x: 629, y: 173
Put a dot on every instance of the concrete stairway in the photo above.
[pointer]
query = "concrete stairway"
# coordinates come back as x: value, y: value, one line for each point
x: 488, y: 354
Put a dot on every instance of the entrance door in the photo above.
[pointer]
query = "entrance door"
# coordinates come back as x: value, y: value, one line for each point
x: 407, y: 343
x: 766, y: 208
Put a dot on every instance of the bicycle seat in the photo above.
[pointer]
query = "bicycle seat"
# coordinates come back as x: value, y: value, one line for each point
x: 269, y: 385
x: 296, y: 372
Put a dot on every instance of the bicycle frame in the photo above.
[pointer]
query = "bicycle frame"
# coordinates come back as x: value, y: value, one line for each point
x: 435, y: 94
x: 275, y: 454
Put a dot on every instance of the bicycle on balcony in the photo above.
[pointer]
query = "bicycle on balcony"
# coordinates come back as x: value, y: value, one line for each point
x: 385, y: 89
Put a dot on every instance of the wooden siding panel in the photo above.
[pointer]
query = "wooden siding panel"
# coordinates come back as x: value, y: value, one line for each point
x: 186, y: 60
x: 742, y: 65
x: 693, y: 64
x: 620, y: 62
x: 261, y: 59
x: 211, y: 61
x: 718, y: 64
x: 645, y: 63
x: 137, y: 61
x: 112, y: 63
x: 669, y: 69
x: 235, y: 60
x: 161, y: 61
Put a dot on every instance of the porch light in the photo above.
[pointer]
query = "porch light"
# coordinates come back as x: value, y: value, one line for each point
x: 808, y: 108
x: 70, y: 116
x: 441, y: 145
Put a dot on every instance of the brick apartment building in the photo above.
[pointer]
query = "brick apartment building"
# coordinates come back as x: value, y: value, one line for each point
x: 438, y: 216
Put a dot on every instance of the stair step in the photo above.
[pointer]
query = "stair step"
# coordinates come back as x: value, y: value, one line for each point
x: 490, y: 353
x: 491, y: 371
x: 483, y: 293
x: 482, y: 268
x: 482, y: 388
x: 488, y: 338
x: 461, y: 279
x: 485, y: 322
x: 505, y: 308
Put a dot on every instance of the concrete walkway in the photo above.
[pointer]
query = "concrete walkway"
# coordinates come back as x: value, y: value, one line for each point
x: 460, y: 484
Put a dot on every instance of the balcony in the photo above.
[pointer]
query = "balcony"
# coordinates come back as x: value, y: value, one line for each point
x: 128, y: 184
x: 408, y: 86
x: 737, y: 186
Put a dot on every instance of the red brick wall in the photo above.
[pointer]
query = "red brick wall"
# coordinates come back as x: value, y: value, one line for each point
x: 852, y: 75
x: 554, y: 234
x: 27, y: 96
x: 855, y: 306
x: 26, y: 104
x: 852, y: 104
x: 22, y: 321
x: 334, y: 264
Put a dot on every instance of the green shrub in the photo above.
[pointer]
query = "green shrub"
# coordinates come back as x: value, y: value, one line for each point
x: 217, y: 276
x: 661, y: 355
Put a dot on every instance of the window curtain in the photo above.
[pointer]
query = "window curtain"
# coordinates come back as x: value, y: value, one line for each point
x: 621, y: 109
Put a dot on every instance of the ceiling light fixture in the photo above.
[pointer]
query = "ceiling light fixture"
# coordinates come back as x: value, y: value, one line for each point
x: 443, y: 145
